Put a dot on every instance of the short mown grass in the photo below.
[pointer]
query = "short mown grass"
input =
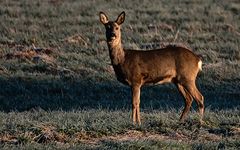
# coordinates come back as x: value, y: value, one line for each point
x: 58, y: 90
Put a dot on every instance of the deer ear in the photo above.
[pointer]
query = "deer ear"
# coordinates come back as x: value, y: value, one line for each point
x: 103, y: 18
x: 120, y: 18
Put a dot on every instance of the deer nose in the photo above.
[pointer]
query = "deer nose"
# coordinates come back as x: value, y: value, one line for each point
x: 113, y: 35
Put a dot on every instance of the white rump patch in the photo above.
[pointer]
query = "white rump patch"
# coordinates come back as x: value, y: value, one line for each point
x: 200, y: 65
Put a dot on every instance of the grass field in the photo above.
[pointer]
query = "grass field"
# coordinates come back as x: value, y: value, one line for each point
x: 58, y: 90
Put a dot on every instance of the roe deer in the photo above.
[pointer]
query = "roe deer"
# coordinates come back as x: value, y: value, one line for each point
x: 137, y: 68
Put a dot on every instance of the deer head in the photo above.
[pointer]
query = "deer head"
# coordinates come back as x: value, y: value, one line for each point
x: 113, y: 28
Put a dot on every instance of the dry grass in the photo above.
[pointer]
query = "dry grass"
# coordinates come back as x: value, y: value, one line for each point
x: 51, y: 51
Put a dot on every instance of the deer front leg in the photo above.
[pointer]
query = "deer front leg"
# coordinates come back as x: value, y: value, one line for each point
x: 136, y: 104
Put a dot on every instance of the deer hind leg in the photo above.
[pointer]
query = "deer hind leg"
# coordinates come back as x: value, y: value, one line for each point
x: 136, y: 104
x: 192, y: 89
x: 188, y: 101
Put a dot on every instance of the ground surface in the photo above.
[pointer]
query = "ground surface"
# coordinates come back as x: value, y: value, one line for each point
x: 58, y: 90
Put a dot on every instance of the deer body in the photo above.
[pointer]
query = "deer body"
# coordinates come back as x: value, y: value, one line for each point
x: 156, y: 66
x: 137, y: 68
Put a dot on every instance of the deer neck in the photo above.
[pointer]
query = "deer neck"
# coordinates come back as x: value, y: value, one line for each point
x: 116, y: 52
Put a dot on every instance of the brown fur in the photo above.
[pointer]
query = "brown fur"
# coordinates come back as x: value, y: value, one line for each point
x: 137, y: 68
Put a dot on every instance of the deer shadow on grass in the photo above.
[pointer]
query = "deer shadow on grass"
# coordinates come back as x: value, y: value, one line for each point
x: 17, y: 94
